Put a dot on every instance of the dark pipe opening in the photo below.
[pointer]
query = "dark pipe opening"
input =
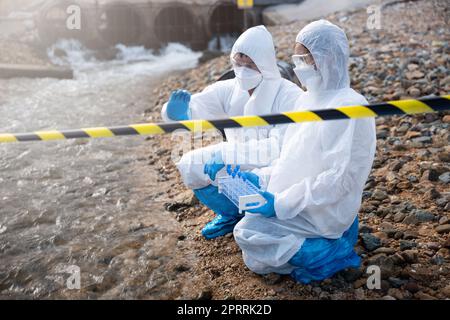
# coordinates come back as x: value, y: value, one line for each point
x: 227, y: 20
x: 120, y: 24
x: 175, y: 24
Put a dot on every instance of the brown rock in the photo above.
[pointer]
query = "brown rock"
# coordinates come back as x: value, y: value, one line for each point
x: 412, y: 134
x: 446, y: 118
x: 414, y: 75
x: 399, y: 216
x: 446, y: 291
x: 444, y: 228
x: 412, y: 287
x: 424, y: 296
x: 410, y: 256
x: 404, y: 185
x: 432, y: 194
x: 414, y: 92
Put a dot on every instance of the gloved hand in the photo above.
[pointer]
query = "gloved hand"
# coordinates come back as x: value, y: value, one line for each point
x: 233, y: 171
x: 267, y: 210
x: 250, y: 176
x: 245, y: 175
x: 178, y: 105
x: 214, y: 165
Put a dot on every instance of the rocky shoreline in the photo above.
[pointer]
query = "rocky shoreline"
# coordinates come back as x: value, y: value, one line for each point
x: 404, y: 218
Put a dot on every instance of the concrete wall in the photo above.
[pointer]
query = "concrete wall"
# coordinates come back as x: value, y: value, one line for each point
x: 147, y: 22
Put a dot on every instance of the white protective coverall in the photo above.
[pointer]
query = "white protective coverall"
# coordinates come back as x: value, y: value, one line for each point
x: 323, y: 166
x: 225, y: 98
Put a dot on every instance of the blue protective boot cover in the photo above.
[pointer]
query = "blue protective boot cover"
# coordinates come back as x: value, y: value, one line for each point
x: 320, y: 258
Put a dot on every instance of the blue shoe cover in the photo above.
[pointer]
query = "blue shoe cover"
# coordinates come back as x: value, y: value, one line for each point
x: 220, y: 226
x: 320, y: 258
x: 216, y: 201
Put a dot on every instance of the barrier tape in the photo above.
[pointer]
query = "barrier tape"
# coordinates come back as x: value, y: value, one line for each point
x: 397, y: 107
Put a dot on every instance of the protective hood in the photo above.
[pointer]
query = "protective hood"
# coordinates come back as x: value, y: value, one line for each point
x: 257, y: 43
x: 329, y: 47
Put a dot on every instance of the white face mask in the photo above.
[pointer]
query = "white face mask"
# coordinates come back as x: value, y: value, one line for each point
x: 309, y: 77
x: 247, y: 78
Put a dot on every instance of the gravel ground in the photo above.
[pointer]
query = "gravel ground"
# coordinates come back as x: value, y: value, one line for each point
x: 404, y: 218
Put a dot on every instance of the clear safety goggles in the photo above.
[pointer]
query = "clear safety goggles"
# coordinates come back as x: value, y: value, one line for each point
x: 237, y: 62
x: 301, y: 60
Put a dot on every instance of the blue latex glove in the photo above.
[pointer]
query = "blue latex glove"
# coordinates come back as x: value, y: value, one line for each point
x: 267, y: 210
x: 178, y: 105
x: 250, y: 176
x: 245, y: 175
x: 233, y: 171
x: 214, y: 165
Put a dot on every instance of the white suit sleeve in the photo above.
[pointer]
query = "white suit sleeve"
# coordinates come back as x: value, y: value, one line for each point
x: 208, y: 104
x: 255, y: 152
x: 332, y: 183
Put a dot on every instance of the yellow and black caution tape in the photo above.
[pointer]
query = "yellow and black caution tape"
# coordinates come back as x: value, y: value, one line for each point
x: 400, y: 107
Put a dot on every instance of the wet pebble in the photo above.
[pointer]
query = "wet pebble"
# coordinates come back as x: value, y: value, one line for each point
x: 370, y: 242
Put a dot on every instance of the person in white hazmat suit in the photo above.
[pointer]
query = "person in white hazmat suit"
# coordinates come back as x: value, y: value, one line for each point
x: 309, y: 225
x: 257, y: 89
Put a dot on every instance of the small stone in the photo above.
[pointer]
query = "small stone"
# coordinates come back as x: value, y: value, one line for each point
x: 408, y: 235
x: 423, y: 296
x: 423, y: 139
x: 412, y: 134
x: 432, y: 194
x: 444, y: 220
x: 370, y: 242
x: 406, y: 245
x: 446, y: 291
x: 396, y: 282
x: 412, y: 287
x: 396, y: 165
x: 412, y: 66
x: 205, y: 295
x: 424, y: 216
x: 431, y: 175
x: 445, y: 177
x: 272, y: 278
x: 444, y: 156
x: 437, y: 259
x: 410, y: 256
x: 434, y: 246
x: 398, y: 235
x: 441, y: 202
x: 379, y: 195
x: 399, y: 216
x: 181, y: 268
x: 446, y: 118
x: 385, y: 250
x: 414, y: 92
x: 351, y: 274
x: 444, y: 228
x: 446, y: 243
x: 382, y: 134
x: 414, y: 75
x: 410, y: 219
x: 387, y: 297
x: 363, y: 228
x: 404, y: 185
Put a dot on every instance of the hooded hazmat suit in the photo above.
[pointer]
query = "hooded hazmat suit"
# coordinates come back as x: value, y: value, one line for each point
x: 226, y: 98
x: 319, y: 178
